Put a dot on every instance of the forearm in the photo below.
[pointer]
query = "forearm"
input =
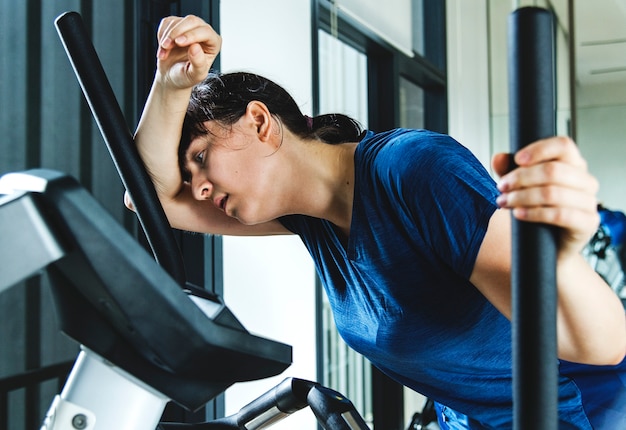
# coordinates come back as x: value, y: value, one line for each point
x: 591, y: 319
x: 158, y: 136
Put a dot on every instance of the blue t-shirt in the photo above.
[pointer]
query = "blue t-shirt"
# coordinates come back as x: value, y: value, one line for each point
x: 399, y: 288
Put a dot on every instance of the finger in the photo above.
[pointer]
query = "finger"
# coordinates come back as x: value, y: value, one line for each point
x: 502, y: 163
x: 186, y: 67
x: 165, y: 30
x: 204, y: 35
x: 182, y: 31
x: 186, y: 32
x: 549, y: 197
x: 197, y: 67
x: 164, y: 25
x: 555, y: 148
x: 549, y: 173
x: 165, y: 43
x: 578, y: 225
x: 567, y: 218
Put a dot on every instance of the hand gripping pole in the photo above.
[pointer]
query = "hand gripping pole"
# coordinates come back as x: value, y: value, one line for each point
x: 532, y: 116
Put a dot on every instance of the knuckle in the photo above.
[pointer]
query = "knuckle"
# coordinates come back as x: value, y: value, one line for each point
x: 549, y: 194
x: 563, y: 140
x: 193, y: 19
x: 550, y: 171
x: 559, y: 216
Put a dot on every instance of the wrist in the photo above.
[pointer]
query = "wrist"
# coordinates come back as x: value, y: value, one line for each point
x: 168, y: 91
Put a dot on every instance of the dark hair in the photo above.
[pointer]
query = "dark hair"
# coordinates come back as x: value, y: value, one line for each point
x: 225, y: 97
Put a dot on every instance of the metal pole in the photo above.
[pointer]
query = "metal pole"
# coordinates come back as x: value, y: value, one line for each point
x: 119, y: 141
x: 533, y: 116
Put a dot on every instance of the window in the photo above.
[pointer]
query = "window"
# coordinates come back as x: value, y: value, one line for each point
x: 411, y: 99
x: 343, y: 89
x: 368, y: 71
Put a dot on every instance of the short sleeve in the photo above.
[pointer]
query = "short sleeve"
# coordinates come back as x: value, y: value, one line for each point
x: 447, y: 193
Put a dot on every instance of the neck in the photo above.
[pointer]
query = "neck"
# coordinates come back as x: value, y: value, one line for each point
x: 325, y: 188
x: 340, y: 207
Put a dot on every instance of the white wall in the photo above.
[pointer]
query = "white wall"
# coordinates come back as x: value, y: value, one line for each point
x: 478, y: 101
x: 602, y: 139
x: 468, y: 75
x: 269, y: 282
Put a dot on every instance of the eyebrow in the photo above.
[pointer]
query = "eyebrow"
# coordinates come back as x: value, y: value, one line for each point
x: 188, y: 158
x: 185, y: 173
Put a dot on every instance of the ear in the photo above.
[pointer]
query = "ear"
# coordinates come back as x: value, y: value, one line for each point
x: 259, y: 117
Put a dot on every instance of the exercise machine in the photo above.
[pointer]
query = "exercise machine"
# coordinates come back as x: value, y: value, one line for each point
x: 147, y: 336
x: 144, y: 340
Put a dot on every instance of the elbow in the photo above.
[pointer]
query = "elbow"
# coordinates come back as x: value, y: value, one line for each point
x: 618, y: 353
x: 607, y: 357
x: 609, y: 354
x: 612, y: 351
x: 607, y: 350
x: 612, y: 358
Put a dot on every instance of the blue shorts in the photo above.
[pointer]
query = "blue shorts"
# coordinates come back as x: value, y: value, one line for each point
x: 449, y: 419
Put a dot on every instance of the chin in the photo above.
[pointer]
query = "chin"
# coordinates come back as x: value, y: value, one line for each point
x: 242, y: 218
x: 248, y: 220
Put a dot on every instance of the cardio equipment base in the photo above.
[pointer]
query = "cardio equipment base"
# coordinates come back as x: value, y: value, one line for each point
x: 98, y: 392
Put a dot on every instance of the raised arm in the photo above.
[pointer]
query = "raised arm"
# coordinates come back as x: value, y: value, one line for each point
x: 187, y: 49
x: 552, y: 186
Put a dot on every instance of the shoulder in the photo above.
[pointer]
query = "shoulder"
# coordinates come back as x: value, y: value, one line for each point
x: 403, y: 139
x: 405, y: 146
x: 417, y: 154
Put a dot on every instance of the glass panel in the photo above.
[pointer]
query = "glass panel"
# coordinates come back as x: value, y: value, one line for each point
x: 343, y: 89
x: 411, y: 104
x: 414, y: 403
x: 499, y: 13
x: 343, y: 79
x: 417, y: 25
x: 600, y: 98
x: 391, y: 21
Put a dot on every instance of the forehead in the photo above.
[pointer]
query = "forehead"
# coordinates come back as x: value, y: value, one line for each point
x: 197, y: 144
x: 215, y: 132
x: 218, y: 136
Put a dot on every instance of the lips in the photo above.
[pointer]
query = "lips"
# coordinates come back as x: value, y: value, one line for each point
x: 221, y: 202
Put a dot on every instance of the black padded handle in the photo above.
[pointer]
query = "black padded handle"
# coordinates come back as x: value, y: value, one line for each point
x: 533, y: 116
x: 119, y: 141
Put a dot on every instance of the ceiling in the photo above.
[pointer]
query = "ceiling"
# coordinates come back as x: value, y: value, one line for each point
x: 600, y: 36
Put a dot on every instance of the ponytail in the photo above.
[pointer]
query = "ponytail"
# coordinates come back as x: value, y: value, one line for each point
x: 335, y: 128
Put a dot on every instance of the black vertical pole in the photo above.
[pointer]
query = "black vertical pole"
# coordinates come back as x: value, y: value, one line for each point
x: 119, y: 141
x: 532, y: 117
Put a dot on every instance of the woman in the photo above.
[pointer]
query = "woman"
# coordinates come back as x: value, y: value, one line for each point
x: 409, y: 234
